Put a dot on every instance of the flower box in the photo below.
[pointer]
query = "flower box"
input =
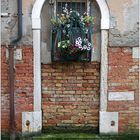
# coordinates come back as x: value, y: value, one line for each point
x: 72, y: 37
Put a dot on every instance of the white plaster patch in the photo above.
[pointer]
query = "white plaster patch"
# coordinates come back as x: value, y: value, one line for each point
x: 4, y: 14
x: 18, y: 54
x: 31, y: 122
x: 121, y: 96
x: 135, y: 52
x: 108, y: 122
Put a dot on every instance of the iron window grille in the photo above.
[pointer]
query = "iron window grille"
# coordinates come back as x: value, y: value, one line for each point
x: 74, y: 34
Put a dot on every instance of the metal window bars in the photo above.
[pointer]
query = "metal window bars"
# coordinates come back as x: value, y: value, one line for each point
x: 71, y: 31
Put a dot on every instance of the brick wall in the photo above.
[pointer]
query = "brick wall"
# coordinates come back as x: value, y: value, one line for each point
x: 23, y: 87
x: 122, y: 77
x: 4, y: 92
x: 70, y: 94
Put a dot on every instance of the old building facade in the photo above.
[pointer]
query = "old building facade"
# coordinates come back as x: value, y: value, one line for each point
x: 100, y: 95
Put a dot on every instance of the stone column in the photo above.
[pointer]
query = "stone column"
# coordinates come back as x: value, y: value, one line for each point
x: 34, y: 118
x: 37, y: 70
x: 104, y: 70
x: 106, y: 118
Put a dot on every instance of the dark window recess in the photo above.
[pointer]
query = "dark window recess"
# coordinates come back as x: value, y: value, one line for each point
x: 70, y: 38
x: 78, y: 6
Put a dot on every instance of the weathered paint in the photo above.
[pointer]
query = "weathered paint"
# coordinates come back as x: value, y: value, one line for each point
x: 118, y: 10
x: 9, y: 23
x: 128, y: 38
x: 124, y: 22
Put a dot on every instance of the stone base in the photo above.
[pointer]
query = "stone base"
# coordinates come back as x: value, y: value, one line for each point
x: 108, y: 122
x: 31, y: 122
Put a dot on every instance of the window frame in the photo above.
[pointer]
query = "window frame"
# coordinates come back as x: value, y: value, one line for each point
x: 88, y: 2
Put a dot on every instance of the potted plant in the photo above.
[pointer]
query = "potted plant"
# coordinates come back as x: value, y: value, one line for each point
x: 73, y: 34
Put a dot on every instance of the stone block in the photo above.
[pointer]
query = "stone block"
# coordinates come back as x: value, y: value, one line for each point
x: 108, y: 122
x: 31, y: 122
x: 121, y: 96
x: 135, y: 52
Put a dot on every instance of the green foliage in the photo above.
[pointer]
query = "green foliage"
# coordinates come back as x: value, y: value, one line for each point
x: 64, y: 44
x: 73, y: 34
x: 72, y: 19
x: 82, y: 136
x: 88, y: 19
x: 55, y: 22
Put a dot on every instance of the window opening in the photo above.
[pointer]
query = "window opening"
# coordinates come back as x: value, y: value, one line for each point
x: 71, y: 31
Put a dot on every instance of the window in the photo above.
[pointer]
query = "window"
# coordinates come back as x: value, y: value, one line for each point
x: 71, y: 30
x: 78, y: 6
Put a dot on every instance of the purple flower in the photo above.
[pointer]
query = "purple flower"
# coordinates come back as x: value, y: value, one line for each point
x: 80, y: 46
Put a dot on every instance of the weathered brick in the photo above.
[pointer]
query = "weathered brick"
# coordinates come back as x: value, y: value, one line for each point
x: 123, y: 76
x: 23, y: 86
x: 71, y: 84
x: 70, y: 93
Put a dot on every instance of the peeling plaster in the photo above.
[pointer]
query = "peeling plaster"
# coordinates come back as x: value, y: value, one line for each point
x: 128, y: 38
x: 123, y: 27
x: 118, y: 10
x: 131, y: 16
x: 9, y: 24
x: 4, y: 6
x: 124, y: 23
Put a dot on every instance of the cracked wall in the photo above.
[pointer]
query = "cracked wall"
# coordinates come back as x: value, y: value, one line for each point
x: 123, y: 22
